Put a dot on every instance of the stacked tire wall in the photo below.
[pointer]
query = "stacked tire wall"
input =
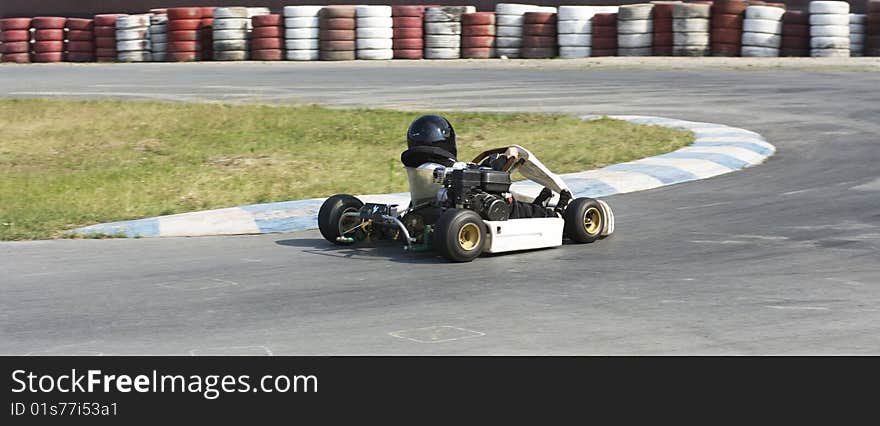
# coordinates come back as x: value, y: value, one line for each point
x: 48, y: 45
x: 478, y: 35
x: 267, y: 44
x: 635, y: 30
x: 374, y: 32
x: 158, y: 36
x: 539, y: 35
x: 16, y: 36
x: 509, y: 28
x: 727, y: 27
x: 661, y: 16
x: 443, y: 31
x: 231, y: 33
x: 80, y: 40
x: 604, y: 37
x: 337, y: 33
x: 872, y: 29
x: 184, y: 24
x: 690, y: 29
x: 206, y: 34
x: 574, y: 31
x: 301, y: 31
x: 856, y: 34
x: 407, y: 30
x: 829, y: 29
x: 795, y: 34
x: 762, y: 31
x: 133, y: 38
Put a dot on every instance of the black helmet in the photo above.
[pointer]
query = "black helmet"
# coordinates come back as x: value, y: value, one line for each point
x: 432, y: 131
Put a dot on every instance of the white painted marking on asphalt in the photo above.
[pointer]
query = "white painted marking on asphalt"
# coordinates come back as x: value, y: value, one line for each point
x: 703, y: 205
x: 436, y: 334
x: 698, y: 168
x: 799, y: 308
x: 800, y: 191
x: 741, y: 154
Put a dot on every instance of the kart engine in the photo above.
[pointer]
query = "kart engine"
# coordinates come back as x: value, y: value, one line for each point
x: 480, y: 189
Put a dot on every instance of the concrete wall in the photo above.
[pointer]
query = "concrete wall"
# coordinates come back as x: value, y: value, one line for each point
x: 86, y: 8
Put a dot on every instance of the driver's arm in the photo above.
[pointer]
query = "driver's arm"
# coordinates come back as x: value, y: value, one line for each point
x: 502, y: 162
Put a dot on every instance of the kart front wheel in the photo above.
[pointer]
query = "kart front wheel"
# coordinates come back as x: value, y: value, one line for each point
x: 584, y: 220
x: 331, y: 221
x: 459, y: 235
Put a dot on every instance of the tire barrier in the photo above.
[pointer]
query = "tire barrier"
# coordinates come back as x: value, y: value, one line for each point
x: 829, y: 29
x: 604, y: 37
x: 374, y: 32
x: 408, y: 34
x: 182, y: 33
x: 661, y: 15
x: 690, y: 29
x: 268, y: 44
x: 478, y: 35
x: 443, y: 31
x: 575, y: 31
x: 133, y: 38
x: 231, y: 26
x: 206, y: 34
x: 762, y: 31
x: 856, y: 34
x: 509, y: 28
x: 795, y: 34
x: 727, y: 27
x: 48, y: 39
x: 158, y: 36
x: 80, y: 40
x: 16, y: 36
x: 635, y: 30
x: 872, y: 28
x: 301, y: 40
x: 539, y: 35
x: 337, y: 44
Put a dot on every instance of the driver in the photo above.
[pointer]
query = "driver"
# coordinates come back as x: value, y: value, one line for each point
x: 431, y: 143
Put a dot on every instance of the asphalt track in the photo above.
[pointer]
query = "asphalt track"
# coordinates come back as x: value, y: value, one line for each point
x: 782, y: 258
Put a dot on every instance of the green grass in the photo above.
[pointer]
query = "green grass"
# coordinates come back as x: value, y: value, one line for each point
x: 72, y: 163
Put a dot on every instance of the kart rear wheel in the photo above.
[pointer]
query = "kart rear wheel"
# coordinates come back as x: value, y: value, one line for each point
x: 460, y: 235
x: 332, y: 224
x: 584, y: 220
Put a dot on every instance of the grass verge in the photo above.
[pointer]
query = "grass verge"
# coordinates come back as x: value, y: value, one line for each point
x: 72, y: 163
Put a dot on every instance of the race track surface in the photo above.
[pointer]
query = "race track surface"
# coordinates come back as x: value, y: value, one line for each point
x: 782, y: 258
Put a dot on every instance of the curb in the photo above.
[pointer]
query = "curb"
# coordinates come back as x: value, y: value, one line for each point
x: 717, y: 149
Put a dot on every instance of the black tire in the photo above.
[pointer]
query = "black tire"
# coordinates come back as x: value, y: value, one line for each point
x: 459, y: 235
x: 584, y: 220
x: 331, y: 213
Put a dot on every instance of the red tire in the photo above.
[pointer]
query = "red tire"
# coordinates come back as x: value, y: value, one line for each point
x: 182, y: 46
x: 105, y: 52
x: 80, y: 24
x: 662, y: 25
x: 80, y: 46
x: 184, y: 24
x: 724, y: 20
x: 48, y: 57
x: 267, y: 43
x: 105, y: 58
x: 337, y: 34
x: 187, y: 35
x: 478, y: 18
x: 662, y: 11
x: 102, y: 31
x: 11, y: 24
x: 80, y: 57
x: 15, y: 35
x: 538, y: 52
x: 661, y: 50
x: 605, y: 43
x: 478, y: 30
x: 795, y: 43
x: 160, y: 11
x: 605, y: 19
x: 337, y: 45
x: 177, y: 13
x: 105, y: 42
x: 80, y: 35
x: 408, y: 32
x: 408, y: 54
x: 795, y: 30
x: 609, y: 52
x: 408, y: 11
x: 267, y: 54
x: 796, y: 17
x: 732, y: 7
x: 337, y: 12
x: 20, y: 58
x: 181, y: 56
x: 16, y: 47
x: 267, y: 20
x: 408, y: 43
x: 603, y: 31
x: 726, y: 35
x: 539, y: 42
x: 48, y: 22
x: 206, y: 24
x: 267, y: 32
x: 404, y: 22
x: 478, y: 42
x: 108, y: 20
x: 207, y: 11
x: 539, y: 18
x: 49, y: 35
x: 477, y: 52
x: 726, y: 49
x: 545, y: 30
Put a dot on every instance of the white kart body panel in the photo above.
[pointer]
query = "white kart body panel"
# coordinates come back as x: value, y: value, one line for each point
x: 524, y: 234
x: 533, y: 169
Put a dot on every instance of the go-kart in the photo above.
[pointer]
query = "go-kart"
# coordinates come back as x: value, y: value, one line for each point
x: 463, y: 211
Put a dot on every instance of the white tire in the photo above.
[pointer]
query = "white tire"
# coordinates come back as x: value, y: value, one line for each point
x: 574, y: 27
x: 301, y: 11
x: 635, y: 27
x: 132, y: 21
x: 829, y: 19
x: 159, y: 38
x: 374, y: 22
x: 230, y: 55
x: 161, y: 19
x: 857, y: 18
x: 830, y: 7
x: 634, y: 51
x: 580, y: 40
x: 508, y: 42
x: 764, y: 12
x: 139, y: 34
x: 302, y: 44
x: 302, y: 55
x: 443, y: 28
x: 292, y: 33
x: 579, y: 13
x: 690, y: 25
x: 442, y: 41
x: 759, y: 52
x: 257, y: 11
x: 374, y: 33
x: 509, y: 20
x: 373, y: 43
x: 829, y: 31
x: 132, y: 45
x: 376, y: 54
x: 690, y: 39
x: 230, y: 12
x: 230, y: 34
x: 447, y: 13
x: 442, y: 53
x: 227, y: 45
x: 514, y: 8
x: 231, y: 24
x: 761, y: 40
x: 634, y: 12
x: 573, y: 52
x: 373, y: 11
x: 506, y: 31
x: 762, y: 26
x: 546, y: 9
x: 690, y: 10
x: 134, y: 56
x: 841, y: 43
x: 829, y: 53
x: 302, y: 22
x: 635, y: 41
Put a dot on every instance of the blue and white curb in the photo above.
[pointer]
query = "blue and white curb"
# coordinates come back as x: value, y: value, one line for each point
x: 717, y: 149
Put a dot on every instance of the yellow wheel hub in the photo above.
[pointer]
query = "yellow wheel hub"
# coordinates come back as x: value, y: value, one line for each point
x: 592, y: 221
x: 469, y: 236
